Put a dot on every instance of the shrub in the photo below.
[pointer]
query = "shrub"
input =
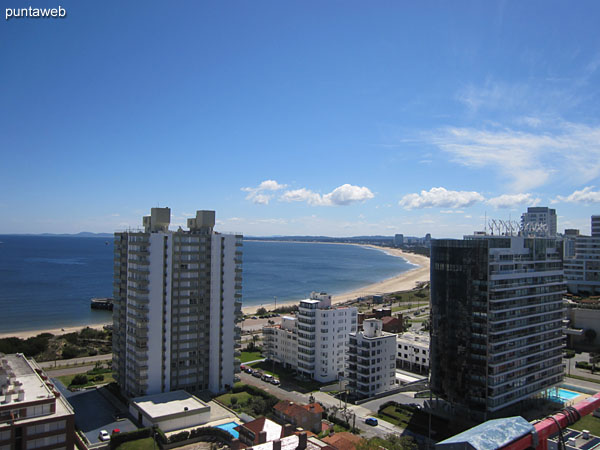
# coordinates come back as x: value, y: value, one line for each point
x: 99, y: 378
x: 79, y: 380
x: 69, y: 352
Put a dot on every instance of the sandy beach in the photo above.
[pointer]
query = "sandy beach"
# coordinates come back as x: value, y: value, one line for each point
x: 55, y: 331
x: 402, y: 282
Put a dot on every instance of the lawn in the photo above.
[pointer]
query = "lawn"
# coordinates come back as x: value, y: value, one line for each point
x: 402, y: 307
x: 588, y: 422
x: 108, y: 378
x: 288, y: 377
x: 139, y: 444
x: 241, y: 398
x: 250, y: 356
x: 400, y: 417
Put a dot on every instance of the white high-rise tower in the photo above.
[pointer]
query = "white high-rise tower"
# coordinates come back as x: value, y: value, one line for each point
x: 177, y: 299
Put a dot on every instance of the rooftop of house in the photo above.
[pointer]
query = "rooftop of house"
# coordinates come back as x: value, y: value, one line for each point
x: 274, y: 430
x: 292, y: 409
x: 343, y: 441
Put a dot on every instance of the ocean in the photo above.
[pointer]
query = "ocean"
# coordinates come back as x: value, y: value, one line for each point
x: 47, y: 282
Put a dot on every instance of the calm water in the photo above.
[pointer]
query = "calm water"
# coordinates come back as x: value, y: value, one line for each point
x: 47, y: 282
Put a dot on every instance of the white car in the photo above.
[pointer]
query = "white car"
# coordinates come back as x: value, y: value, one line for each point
x: 104, y: 436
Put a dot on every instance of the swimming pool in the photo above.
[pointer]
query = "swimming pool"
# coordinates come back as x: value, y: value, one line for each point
x: 229, y: 427
x: 562, y: 395
x: 565, y: 394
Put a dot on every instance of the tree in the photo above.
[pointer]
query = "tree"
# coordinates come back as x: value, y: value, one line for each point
x: 79, y: 379
x: 261, y: 311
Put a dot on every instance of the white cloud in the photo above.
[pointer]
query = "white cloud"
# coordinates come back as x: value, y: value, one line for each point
x: 262, y: 194
x: 512, y: 200
x: 441, y: 198
x: 452, y: 211
x: 586, y: 195
x: 527, y: 159
x: 340, y: 196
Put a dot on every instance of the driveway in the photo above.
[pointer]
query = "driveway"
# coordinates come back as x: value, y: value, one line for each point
x: 93, y: 412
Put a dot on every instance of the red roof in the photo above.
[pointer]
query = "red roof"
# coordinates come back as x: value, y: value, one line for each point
x: 343, y: 440
x: 293, y: 409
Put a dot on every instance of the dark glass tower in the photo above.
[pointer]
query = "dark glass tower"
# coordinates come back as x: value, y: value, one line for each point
x: 496, y: 313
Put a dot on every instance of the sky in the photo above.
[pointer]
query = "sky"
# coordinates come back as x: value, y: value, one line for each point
x: 337, y: 118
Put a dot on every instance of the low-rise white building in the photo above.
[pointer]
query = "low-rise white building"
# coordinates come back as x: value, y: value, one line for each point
x: 371, y: 363
x: 170, y: 411
x: 413, y: 352
x: 281, y: 342
x: 315, y: 342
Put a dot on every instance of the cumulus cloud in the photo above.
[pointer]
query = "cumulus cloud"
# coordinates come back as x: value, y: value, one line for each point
x: 441, y: 198
x: 512, y: 200
x: 586, y: 195
x: 263, y: 193
x: 340, y: 196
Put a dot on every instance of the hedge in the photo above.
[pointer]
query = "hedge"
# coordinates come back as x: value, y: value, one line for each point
x: 120, y: 438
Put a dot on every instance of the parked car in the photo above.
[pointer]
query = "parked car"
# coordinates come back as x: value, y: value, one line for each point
x: 266, y: 377
x: 256, y: 374
x: 249, y: 370
x: 116, y: 431
x: 371, y: 421
x: 275, y: 381
x: 104, y: 436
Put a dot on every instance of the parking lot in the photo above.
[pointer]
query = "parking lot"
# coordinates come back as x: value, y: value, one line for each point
x: 94, y: 412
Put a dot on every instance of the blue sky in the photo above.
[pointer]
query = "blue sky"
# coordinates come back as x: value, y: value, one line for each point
x: 300, y: 117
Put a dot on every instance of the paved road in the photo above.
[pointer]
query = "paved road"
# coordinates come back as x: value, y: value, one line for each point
x: 68, y: 371
x: 74, y: 361
x: 278, y: 391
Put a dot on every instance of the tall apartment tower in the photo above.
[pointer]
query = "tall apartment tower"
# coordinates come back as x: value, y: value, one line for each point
x: 539, y: 221
x: 177, y: 299
x: 582, y: 271
x: 496, y: 312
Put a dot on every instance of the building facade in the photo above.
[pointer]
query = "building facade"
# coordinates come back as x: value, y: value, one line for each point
x: 281, y: 342
x: 413, y: 352
x: 315, y: 342
x: 33, y: 414
x: 539, y: 221
x: 595, y: 226
x: 371, y: 362
x: 582, y: 272
x: 177, y: 299
x: 496, y: 320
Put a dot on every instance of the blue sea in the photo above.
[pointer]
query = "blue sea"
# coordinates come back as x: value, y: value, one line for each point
x: 47, y: 282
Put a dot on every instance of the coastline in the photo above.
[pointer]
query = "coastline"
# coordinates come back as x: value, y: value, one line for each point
x: 402, y: 282
x: 55, y: 331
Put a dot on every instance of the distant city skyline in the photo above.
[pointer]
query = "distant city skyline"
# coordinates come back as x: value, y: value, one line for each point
x: 301, y: 118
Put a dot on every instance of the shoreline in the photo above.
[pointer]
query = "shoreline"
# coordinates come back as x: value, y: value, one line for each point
x: 55, y: 331
x: 404, y: 281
